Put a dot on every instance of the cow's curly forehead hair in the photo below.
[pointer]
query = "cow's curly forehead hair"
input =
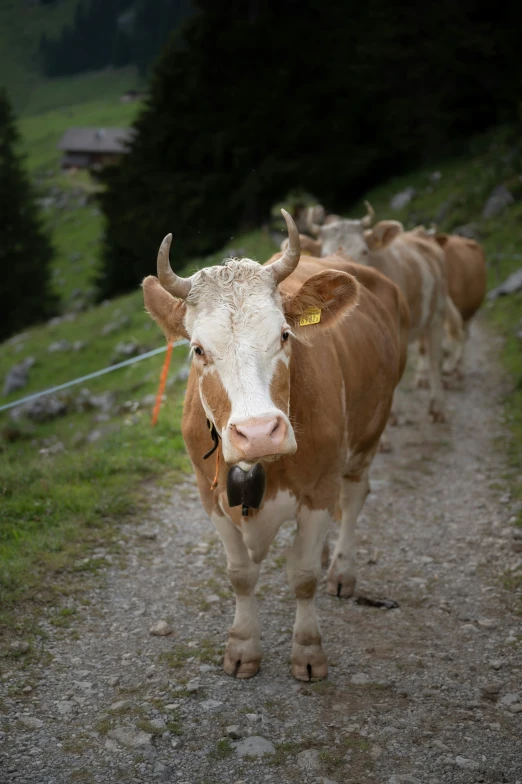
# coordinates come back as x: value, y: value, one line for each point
x: 231, y: 283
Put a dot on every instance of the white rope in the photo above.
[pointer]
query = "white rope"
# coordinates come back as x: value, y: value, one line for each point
x: 97, y: 373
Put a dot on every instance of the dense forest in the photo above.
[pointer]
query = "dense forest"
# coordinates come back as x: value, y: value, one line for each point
x: 251, y: 100
x: 112, y: 33
x: 25, y: 248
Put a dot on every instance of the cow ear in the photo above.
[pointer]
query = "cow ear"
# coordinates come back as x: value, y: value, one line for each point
x: 166, y: 310
x: 321, y: 302
x: 383, y: 234
x: 442, y: 239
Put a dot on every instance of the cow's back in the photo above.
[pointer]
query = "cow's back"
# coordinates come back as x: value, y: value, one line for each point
x: 416, y: 265
x: 381, y: 287
x: 465, y: 273
x: 363, y: 358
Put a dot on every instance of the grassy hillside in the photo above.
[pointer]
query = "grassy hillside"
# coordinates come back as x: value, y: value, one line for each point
x: 21, y: 27
x: 71, y: 210
x: 58, y: 503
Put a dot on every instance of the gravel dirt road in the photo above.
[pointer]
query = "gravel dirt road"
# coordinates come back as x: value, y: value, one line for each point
x: 430, y: 692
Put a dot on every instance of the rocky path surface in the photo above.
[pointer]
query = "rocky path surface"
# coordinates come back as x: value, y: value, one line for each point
x: 428, y: 693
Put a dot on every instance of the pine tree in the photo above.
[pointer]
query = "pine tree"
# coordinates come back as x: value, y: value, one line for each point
x: 25, y: 249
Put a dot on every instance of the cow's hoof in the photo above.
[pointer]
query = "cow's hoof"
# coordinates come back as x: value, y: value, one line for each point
x: 342, y: 586
x: 309, y: 663
x: 437, y: 416
x: 240, y: 667
x: 422, y: 383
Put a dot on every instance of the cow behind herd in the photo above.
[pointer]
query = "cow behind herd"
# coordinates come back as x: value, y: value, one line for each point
x: 294, y: 368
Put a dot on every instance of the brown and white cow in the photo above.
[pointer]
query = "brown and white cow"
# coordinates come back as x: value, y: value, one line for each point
x: 311, y: 219
x: 416, y: 265
x: 317, y: 227
x: 309, y: 246
x: 317, y: 217
x: 465, y: 266
x: 316, y: 220
x: 307, y: 400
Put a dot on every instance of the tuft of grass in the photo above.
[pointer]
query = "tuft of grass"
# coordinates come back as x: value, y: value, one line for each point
x: 104, y: 725
x: 175, y: 726
x: 223, y: 749
x: 63, y: 617
x: 332, y: 759
x: 356, y: 742
x: 146, y: 726
x: 176, y: 658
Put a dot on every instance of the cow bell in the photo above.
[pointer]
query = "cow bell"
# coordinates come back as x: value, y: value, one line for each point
x: 246, y: 488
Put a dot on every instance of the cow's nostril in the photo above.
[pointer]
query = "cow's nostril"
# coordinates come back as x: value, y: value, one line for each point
x: 275, y: 428
x: 238, y: 433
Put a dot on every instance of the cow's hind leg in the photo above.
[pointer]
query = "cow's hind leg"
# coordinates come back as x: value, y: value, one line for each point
x: 435, y: 337
x: 341, y: 575
x: 243, y: 651
x: 422, y: 373
x: 453, y: 339
x: 309, y: 661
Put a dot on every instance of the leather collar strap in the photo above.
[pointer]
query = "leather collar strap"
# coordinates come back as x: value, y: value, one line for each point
x: 215, y: 438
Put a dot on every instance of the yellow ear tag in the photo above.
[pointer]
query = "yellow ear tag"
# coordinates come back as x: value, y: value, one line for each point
x: 310, y: 316
x: 377, y: 244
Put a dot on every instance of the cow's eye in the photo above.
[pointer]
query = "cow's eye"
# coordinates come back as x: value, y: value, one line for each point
x: 199, y: 351
x: 284, y: 336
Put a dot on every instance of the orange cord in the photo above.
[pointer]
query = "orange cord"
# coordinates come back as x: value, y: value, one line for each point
x: 157, y: 405
x: 163, y: 381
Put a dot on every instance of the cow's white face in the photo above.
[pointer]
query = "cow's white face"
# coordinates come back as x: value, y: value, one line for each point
x: 240, y: 329
x: 347, y: 235
x: 240, y: 342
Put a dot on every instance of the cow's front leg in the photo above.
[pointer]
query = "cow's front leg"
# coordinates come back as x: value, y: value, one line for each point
x: 243, y: 651
x: 309, y: 661
x: 341, y: 575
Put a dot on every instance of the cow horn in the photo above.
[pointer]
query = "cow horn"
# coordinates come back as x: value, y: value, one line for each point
x: 368, y: 219
x: 178, y: 287
x: 313, y: 228
x: 284, y: 266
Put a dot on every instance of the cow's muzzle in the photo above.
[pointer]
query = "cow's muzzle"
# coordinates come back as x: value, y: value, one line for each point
x: 255, y: 439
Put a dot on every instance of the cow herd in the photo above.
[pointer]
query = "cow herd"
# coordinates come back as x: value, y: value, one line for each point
x: 294, y: 368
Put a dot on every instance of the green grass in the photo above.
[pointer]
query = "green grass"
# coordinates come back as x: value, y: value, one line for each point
x: 73, y: 217
x: 223, y: 749
x: 42, y: 132
x: 55, y: 508
x: 68, y: 93
x: 21, y: 26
